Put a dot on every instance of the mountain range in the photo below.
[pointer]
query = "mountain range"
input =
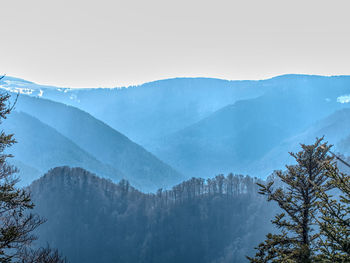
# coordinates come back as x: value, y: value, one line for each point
x: 239, y: 135
x: 162, y: 132
x: 135, y: 174
x: 40, y: 147
x: 149, y: 110
x: 52, y: 134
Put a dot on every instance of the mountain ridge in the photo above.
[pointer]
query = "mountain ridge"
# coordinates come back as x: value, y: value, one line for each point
x: 101, y: 141
x: 243, y: 132
x: 41, y: 147
x: 156, y: 227
x: 287, y: 75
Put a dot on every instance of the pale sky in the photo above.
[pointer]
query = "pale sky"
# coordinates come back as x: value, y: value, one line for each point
x: 109, y: 43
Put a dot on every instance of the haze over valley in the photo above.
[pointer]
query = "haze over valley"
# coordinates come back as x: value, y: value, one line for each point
x: 175, y: 131
x: 162, y: 132
x: 167, y: 169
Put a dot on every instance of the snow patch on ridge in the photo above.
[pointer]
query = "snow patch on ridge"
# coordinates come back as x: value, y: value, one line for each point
x: 15, y: 83
x: 26, y: 91
x: 344, y: 99
x: 65, y: 90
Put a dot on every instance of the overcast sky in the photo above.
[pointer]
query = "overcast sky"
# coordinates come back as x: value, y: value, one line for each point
x: 106, y: 43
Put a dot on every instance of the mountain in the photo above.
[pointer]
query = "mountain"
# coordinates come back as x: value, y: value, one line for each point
x: 156, y: 109
x: 198, y: 126
x: 344, y: 145
x: 90, y: 219
x: 240, y: 134
x: 40, y: 147
x: 150, y: 110
x: 335, y: 128
x: 26, y: 173
x: 102, y: 142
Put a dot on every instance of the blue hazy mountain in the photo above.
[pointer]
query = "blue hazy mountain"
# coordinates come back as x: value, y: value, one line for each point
x: 240, y: 134
x: 198, y: 126
x: 156, y: 109
x: 150, y: 110
x: 99, y: 140
x: 201, y: 127
x: 335, y: 128
x: 40, y: 147
x: 344, y: 146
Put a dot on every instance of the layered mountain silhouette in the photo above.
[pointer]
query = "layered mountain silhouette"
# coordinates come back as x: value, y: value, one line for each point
x: 335, y: 128
x: 198, y: 126
x: 238, y: 135
x: 69, y: 136
x: 187, y: 128
x: 150, y: 110
x: 160, y: 108
x: 40, y: 147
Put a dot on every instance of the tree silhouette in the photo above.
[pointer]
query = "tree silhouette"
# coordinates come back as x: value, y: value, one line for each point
x: 298, y: 200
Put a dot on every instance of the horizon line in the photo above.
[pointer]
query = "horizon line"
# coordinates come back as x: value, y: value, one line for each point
x: 174, y: 78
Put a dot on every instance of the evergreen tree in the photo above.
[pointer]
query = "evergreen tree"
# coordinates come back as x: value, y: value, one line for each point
x: 16, y: 222
x: 297, y: 199
x: 334, y: 219
x: 16, y: 225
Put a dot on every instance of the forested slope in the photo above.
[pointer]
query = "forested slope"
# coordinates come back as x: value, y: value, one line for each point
x: 94, y: 220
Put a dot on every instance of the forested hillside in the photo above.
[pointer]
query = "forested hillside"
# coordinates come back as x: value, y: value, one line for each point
x: 94, y: 220
x: 182, y: 131
x: 214, y: 220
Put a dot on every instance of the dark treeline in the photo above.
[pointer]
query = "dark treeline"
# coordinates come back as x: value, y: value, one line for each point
x: 229, y: 186
x: 94, y: 220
